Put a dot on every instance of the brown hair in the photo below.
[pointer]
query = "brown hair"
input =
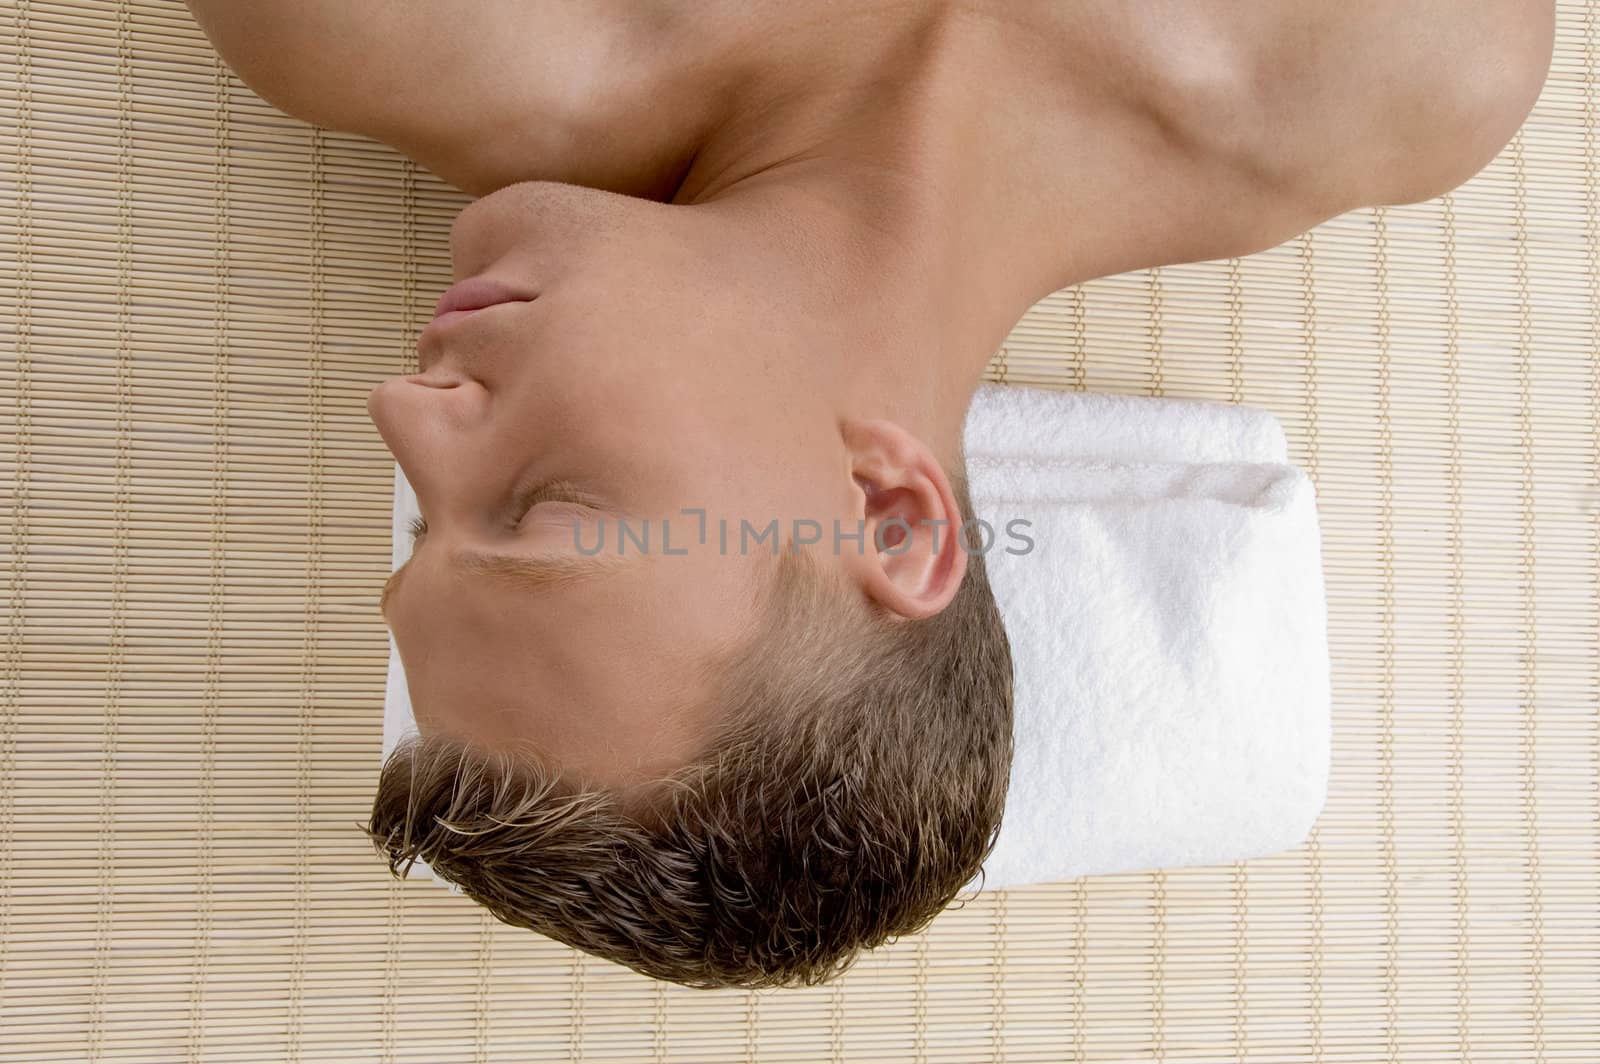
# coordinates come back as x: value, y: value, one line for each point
x: 854, y: 783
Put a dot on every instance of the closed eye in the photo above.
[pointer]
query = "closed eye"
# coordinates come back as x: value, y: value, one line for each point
x: 541, y: 492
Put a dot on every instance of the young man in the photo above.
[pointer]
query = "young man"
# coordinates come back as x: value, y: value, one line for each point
x: 737, y: 263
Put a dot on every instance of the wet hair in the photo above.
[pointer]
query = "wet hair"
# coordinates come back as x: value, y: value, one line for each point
x: 854, y: 783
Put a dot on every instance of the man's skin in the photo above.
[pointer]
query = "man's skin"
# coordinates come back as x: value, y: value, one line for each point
x: 769, y: 249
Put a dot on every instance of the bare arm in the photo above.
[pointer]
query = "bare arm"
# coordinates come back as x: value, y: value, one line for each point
x: 1250, y: 124
x: 388, y: 68
x: 1394, y: 101
x: 483, y: 93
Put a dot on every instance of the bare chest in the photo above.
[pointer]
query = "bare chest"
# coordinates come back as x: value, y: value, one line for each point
x: 1099, y: 113
x: 623, y: 99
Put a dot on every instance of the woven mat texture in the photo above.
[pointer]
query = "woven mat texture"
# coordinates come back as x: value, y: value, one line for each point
x: 196, y: 295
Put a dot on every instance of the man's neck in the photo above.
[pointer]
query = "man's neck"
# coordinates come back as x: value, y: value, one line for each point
x: 917, y: 252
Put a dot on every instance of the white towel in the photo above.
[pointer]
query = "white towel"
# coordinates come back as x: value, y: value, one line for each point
x: 1168, y: 628
x: 1168, y: 632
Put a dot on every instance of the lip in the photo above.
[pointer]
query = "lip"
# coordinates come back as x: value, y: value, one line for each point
x: 462, y: 301
x: 475, y: 293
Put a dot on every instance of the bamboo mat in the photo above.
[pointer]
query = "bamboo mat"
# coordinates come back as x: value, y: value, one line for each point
x: 198, y: 294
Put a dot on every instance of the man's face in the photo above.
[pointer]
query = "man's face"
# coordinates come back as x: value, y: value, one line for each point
x: 643, y: 378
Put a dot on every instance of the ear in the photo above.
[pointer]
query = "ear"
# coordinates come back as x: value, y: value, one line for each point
x: 909, y: 560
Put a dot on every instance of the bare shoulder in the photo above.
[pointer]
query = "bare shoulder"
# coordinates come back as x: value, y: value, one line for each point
x: 345, y: 64
x: 1221, y: 129
x: 482, y: 93
x: 1369, y: 102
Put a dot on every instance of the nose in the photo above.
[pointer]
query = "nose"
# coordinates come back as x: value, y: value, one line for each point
x: 402, y: 407
x: 434, y: 378
x: 375, y: 402
x: 431, y: 422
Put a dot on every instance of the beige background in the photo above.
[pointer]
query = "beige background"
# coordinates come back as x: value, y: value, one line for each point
x: 196, y: 295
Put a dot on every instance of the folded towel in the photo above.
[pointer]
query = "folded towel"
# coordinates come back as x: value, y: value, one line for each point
x: 1168, y: 632
x: 1168, y: 629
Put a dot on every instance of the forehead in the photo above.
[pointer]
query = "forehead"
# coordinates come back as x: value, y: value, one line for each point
x: 613, y: 678
x: 522, y: 570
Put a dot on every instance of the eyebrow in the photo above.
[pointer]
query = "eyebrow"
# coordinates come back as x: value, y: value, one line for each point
x: 526, y: 571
